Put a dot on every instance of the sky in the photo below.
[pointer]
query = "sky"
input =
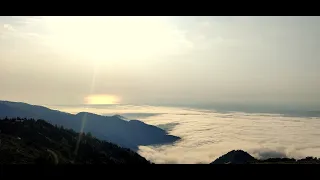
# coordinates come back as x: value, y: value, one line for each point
x: 159, y: 60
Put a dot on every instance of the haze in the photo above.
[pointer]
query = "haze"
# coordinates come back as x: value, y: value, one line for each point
x: 157, y: 60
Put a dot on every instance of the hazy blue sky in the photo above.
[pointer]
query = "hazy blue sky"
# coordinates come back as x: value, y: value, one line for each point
x: 76, y: 60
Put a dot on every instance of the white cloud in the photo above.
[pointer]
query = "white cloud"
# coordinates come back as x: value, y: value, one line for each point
x: 206, y: 135
x: 6, y: 30
x: 9, y: 31
x: 8, y: 27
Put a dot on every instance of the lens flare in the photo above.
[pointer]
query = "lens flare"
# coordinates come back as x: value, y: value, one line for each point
x: 102, y: 99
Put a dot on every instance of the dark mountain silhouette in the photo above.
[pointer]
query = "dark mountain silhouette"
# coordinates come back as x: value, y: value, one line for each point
x: 235, y: 157
x: 130, y: 134
x: 242, y: 157
x: 30, y: 141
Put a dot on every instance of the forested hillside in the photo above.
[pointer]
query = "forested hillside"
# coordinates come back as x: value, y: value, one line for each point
x: 29, y: 141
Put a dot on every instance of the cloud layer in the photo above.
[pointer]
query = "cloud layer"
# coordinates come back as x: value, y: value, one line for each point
x: 206, y: 134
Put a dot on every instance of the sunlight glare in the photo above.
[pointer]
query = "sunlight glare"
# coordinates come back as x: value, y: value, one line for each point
x: 102, y: 99
x: 110, y: 38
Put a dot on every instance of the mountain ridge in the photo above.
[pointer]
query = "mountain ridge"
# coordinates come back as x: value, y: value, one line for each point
x: 111, y: 128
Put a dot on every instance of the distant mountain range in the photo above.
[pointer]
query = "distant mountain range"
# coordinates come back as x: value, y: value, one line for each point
x: 129, y: 134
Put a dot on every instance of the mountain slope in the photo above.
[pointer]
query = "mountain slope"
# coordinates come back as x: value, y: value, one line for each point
x: 30, y: 141
x: 235, y: 157
x: 242, y: 157
x: 130, y: 134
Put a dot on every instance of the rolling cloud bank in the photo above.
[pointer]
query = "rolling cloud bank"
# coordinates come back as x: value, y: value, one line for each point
x: 206, y: 134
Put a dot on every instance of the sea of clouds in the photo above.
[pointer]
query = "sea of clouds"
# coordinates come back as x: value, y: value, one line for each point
x: 206, y: 134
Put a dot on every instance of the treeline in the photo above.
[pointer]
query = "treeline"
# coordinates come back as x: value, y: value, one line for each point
x: 25, y: 141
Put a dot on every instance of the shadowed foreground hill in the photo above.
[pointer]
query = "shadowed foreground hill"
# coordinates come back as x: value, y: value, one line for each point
x: 130, y: 134
x: 242, y: 157
x: 30, y: 141
x: 235, y: 157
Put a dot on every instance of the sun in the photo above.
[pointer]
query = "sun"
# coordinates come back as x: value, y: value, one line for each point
x: 102, y: 99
